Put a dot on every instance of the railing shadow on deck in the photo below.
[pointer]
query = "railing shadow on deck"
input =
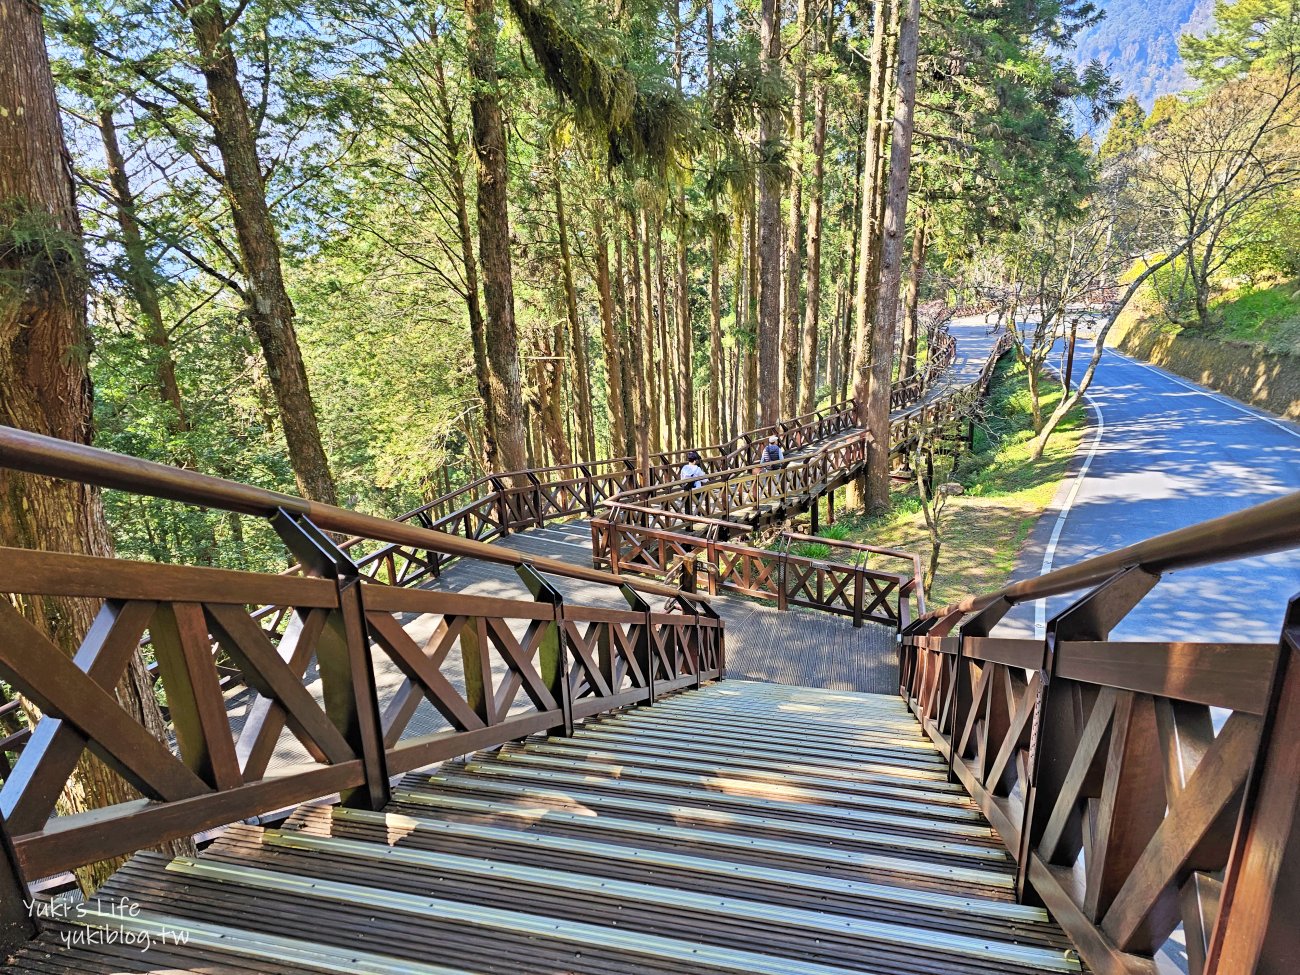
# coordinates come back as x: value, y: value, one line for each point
x: 1144, y: 788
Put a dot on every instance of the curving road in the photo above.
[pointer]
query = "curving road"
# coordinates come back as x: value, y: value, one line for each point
x: 1163, y: 453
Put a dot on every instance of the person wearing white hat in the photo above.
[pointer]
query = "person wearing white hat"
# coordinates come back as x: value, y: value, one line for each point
x: 773, y: 450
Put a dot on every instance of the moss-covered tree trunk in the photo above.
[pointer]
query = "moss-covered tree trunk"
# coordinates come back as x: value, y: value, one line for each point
x: 267, y: 304
x: 44, y: 346
x: 884, y: 326
x: 505, y: 399
x: 769, y: 221
x: 813, y: 299
x: 609, y: 335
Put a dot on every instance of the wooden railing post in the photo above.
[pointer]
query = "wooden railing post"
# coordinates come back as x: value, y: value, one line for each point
x: 536, y: 500
x: 1091, y: 617
x: 588, y: 490
x: 553, y: 651
x: 16, y: 923
x: 1257, y: 930
x: 343, y: 656
x: 502, y: 505
x: 859, y: 596
x: 644, y: 649
x: 979, y: 625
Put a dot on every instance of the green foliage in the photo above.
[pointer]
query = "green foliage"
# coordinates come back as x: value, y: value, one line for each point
x: 1267, y: 315
x: 1126, y: 128
x: 1005, y: 493
x: 1247, y: 35
x: 836, y: 532
x: 642, y: 117
x: 36, y: 254
x: 360, y: 109
x: 811, y: 550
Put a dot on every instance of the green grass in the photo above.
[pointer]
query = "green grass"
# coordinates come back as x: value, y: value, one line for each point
x: 811, y: 550
x: 1267, y: 316
x: 1005, y: 492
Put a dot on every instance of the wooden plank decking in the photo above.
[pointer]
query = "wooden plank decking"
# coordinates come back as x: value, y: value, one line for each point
x: 742, y: 827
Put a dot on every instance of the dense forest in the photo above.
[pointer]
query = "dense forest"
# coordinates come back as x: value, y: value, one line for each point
x: 365, y: 251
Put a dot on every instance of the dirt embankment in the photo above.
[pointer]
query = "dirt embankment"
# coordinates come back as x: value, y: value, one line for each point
x: 1254, y: 375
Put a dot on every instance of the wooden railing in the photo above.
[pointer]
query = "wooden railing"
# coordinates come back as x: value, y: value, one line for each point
x: 492, y: 507
x: 1142, y: 787
x: 842, y: 588
x: 909, y: 389
x: 492, y: 670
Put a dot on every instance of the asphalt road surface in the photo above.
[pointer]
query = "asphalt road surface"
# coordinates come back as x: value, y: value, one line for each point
x: 1163, y: 453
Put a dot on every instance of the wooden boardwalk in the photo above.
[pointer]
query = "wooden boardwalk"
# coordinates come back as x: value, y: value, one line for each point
x: 742, y: 827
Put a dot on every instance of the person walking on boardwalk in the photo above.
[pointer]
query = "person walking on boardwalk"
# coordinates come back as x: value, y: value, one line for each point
x: 692, y: 471
x: 772, y: 451
x: 695, y: 474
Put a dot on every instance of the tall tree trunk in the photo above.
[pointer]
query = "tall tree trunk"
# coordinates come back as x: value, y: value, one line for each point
x: 550, y: 393
x: 717, y: 391
x: 833, y: 338
x: 644, y: 416
x: 628, y: 364
x: 769, y: 221
x: 45, y: 381
x: 793, y: 306
x: 142, y: 281
x: 267, y: 304
x: 911, y: 324
x: 867, y: 267
x: 685, y: 338
x: 664, y: 370
x: 752, y: 356
x: 891, y: 264
x: 851, y: 274
x: 613, y: 351
x: 505, y: 408
x: 812, y: 304
x: 717, y: 370
x: 577, y: 334
x: 469, y: 264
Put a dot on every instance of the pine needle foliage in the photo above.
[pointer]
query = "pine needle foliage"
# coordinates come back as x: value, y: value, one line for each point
x: 642, y: 119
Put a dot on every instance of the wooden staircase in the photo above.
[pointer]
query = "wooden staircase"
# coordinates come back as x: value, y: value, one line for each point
x: 739, y: 827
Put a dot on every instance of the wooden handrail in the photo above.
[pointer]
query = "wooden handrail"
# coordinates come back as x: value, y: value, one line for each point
x: 1259, y: 530
x: 52, y: 457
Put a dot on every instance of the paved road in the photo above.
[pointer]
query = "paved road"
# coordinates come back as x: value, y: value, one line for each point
x: 1164, y: 453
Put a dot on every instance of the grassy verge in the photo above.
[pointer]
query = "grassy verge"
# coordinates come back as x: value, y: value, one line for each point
x: 1266, y: 316
x: 1005, y: 492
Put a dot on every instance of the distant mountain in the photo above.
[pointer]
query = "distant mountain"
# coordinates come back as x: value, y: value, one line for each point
x: 1138, y: 41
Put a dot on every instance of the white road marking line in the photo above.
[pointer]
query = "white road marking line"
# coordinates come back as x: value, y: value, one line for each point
x: 1218, y: 397
x: 1099, y: 428
x: 1040, y: 608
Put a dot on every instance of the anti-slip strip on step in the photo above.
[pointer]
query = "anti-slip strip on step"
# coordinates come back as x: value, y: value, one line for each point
x: 529, y: 925
x: 475, y: 782
x: 753, y: 772
x: 849, y: 755
x: 405, y: 825
x: 902, y: 815
x: 821, y: 852
x: 867, y: 771
x: 267, y: 948
x: 739, y: 908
